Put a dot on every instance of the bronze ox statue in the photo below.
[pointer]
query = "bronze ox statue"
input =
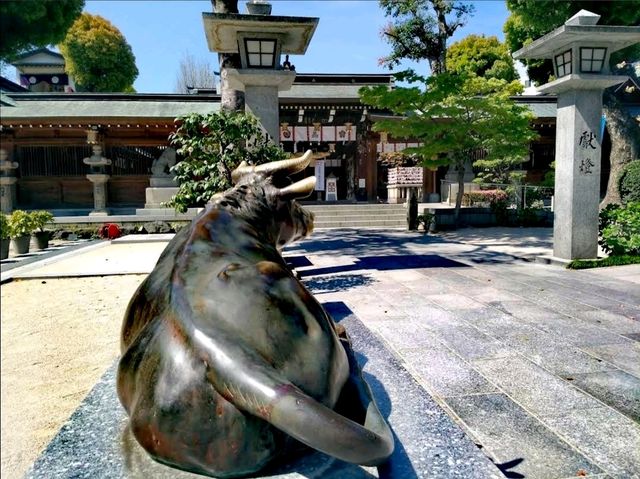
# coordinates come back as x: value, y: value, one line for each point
x: 227, y: 359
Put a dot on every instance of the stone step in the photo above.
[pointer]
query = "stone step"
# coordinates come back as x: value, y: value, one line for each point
x: 328, y: 214
x: 355, y: 207
x: 360, y: 216
x: 360, y: 224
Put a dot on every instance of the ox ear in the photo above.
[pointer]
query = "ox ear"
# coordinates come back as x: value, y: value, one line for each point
x: 300, y: 189
x: 241, y: 170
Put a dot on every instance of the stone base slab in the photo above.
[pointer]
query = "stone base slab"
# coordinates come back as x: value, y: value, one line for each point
x: 155, y: 197
x: 97, y: 443
x: 162, y: 182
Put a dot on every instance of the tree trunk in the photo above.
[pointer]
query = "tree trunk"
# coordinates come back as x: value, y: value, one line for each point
x: 460, y: 177
x: 440, y: 65
x: 625, y: 145
x: 230, y: 100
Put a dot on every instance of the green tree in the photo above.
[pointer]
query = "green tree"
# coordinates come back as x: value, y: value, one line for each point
x: 531, y: 20
x: 97, y: 56
x: 420, y: 30
x: 453, y: 116
x: 212, y: 146
x: 29, y: 24
x: 483, y: 56
x: 194, y: 73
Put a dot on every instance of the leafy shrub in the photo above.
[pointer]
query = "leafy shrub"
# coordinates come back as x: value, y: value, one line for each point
x: 483, y: 196
x: 20, y: 224
x: 212, y: 146
x: 40, y: 218
x: 5, y: 232
x: 428, y: 222
x: 620, y: 229
x: 527, y: 217
x: 629, y: 182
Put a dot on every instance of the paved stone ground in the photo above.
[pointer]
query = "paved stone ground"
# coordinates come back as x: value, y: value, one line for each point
x: 539, y: 365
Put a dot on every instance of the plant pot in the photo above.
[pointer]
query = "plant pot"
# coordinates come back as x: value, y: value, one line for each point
x: 4, y: 248
x: 21, y: 244
x: 42, y: 239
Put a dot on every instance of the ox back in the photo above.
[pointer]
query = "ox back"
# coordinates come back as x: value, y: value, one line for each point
x: 226, y: 356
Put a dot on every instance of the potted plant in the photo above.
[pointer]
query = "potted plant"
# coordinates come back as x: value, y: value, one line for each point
x: 40, y: 218
x: 5, y: 236
x: 20, y: 228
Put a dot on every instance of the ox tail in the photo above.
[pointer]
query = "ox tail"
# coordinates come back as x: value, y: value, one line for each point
x: 252, y: 385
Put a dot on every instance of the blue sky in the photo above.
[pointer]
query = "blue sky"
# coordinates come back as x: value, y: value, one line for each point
x: 347, y: 39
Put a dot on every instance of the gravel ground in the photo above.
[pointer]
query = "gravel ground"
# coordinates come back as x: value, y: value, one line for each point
x: 58, y: 336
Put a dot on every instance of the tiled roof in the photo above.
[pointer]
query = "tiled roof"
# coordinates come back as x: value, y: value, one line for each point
x: 31, y: 106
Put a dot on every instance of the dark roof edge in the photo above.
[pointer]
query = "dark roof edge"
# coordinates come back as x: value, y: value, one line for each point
x: 116, y: 96
x: 35, y: 52
x: 535, y: 98
x: 341, y: 77
x: 8, y: 86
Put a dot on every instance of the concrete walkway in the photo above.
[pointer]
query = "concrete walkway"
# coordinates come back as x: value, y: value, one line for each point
x: 539, y: 365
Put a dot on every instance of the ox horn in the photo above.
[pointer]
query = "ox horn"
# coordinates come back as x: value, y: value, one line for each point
x: 299, y: 189
x: 287, y: 167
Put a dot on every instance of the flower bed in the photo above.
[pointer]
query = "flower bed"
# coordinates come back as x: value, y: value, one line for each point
x: 484, y: 198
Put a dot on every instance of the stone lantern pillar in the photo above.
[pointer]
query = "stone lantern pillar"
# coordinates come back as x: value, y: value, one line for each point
x: 99, y: 177
x: 7, y: 182
x: 580, y: 51
x: 260, y: 39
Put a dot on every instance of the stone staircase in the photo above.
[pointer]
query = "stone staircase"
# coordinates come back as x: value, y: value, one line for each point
x: 358, y: 215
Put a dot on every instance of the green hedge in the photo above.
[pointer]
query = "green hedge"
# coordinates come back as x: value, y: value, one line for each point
x: 629, y: 182
x: 602, y: 262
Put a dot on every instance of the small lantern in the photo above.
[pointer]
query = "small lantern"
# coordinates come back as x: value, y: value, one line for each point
x: 259, y: 39
x: 580, y: 50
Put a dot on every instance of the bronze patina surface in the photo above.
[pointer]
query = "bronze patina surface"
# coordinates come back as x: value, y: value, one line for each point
x: 227, y: 359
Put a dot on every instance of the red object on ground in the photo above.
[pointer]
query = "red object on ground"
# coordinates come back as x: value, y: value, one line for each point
x: 110, y: 230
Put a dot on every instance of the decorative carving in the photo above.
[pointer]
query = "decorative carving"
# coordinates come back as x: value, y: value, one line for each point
x: 227, y: 357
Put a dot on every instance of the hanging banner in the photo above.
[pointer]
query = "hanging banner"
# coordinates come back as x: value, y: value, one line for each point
x: 329, y: 133
x: 315, y: 133
x: 286, y: 133
x: 319, y: 172
x: 300, y: 133
x: 346, y: 133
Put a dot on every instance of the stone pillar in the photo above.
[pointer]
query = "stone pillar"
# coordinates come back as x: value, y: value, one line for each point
x: 262, y: 102
x: 577, y: 184
x: 99, y: 193
x: 261, y: 89
x: 99, y: 178
x: 7, y: 182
